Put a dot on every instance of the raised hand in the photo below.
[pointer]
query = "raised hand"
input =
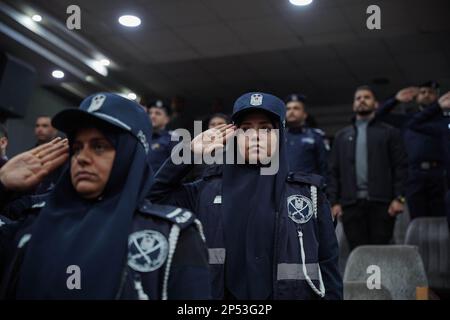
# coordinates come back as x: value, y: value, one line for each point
x: 28, y: 169
x: 407, y: 94
x: 444, y: 101
x: 212, y: 139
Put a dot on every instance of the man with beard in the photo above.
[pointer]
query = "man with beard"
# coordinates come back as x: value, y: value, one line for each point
x: 367, y: 172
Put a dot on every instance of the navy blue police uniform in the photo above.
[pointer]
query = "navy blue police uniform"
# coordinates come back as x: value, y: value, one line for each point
x: 162, y: 142
x: 287, y: 239
x: 124, y: 246
x: 425, y: 184
x: 161, y: 147
x: 306, y: 149
x: 435, y: 123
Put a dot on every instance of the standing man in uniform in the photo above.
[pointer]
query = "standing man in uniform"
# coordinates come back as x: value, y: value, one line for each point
x: 306, y: 149
x: 367, y: 173
x: 425, y: 184
x: 425, y: 122
x: 161, y: 145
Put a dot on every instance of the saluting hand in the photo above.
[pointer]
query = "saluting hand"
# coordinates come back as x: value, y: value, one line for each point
x: 212, y: 139
x: 29, y: 168
x: 444, y: 101
x: 407, y: 94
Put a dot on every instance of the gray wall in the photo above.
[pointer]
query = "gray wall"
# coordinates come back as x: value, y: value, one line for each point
x: 21, y: 131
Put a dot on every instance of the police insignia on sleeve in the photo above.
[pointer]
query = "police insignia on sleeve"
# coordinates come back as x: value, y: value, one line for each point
x: 300, y: 208
x: 147, y: 250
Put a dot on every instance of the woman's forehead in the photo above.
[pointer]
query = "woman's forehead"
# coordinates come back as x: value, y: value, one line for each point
x: 255, y: 116
x: 89, y: 133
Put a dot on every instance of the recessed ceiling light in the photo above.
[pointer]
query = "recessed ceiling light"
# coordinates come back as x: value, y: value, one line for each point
x: 36, y: 18
x: 129, y: 21
x: 132, y: 96
x: 58, y: 74
x: 300, y: 2
x: 105, y: 62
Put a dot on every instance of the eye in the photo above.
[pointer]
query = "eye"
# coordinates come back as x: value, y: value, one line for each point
x: 100, y: 147
x: 76, y: 149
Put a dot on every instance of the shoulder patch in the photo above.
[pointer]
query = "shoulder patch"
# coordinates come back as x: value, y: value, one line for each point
x: 179, y: 216
x: 319, y: 131
x: 173, y: 134
x: 311, y: 179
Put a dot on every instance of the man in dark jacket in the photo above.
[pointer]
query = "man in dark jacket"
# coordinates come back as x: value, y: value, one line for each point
x: 367, y: 173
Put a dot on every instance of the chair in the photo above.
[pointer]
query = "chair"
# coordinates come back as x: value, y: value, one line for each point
x: 401, y: 268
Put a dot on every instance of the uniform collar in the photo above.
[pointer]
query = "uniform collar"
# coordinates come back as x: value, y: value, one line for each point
x: 159, y: 133
x: 298, y: 129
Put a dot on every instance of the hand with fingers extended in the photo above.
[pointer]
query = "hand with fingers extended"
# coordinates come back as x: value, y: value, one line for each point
x: 29, y: 168
x: 212, y: 140
x: 444, y: 101
x: 407, y: 94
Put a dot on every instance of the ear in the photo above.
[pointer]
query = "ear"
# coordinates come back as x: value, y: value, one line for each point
x: 377, y: 104
x: 3, y: 142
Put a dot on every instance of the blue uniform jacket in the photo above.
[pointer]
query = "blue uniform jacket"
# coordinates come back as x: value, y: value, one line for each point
x: 160, y: 148
x: 419, y: 147
x: 306, y: 151
x: 294, y: 278
x: 167, y: 257
x: 430, y: 122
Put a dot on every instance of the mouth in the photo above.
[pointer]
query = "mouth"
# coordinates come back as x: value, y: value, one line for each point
x: 84, y: 175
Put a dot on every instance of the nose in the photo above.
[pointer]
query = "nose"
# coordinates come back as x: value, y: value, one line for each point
x: 83, y: 157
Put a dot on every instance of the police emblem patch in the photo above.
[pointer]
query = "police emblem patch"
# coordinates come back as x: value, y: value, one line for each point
x: 96, y: 102
x: 300, y: 208
x: 256, y: 99
x: 143, y: 140
x: 147, y: 250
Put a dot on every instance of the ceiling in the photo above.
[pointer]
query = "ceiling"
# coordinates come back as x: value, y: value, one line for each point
x: 207, y: 49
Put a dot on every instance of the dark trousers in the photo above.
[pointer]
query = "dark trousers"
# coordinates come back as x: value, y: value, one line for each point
x: 367, y: 222
x: 425, y: 193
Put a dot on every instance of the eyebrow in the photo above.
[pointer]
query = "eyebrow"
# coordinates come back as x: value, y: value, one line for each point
x: 93, y: 140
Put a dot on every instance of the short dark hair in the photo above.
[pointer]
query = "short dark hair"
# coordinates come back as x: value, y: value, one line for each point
x: 219, y: 115
x: 368, y: 88
x: 3, y: 131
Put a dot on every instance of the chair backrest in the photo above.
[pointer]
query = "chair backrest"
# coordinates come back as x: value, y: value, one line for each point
x: 354, y: 290
x: 344, y: 249
x: 431, y: 236
x: 400, y: 267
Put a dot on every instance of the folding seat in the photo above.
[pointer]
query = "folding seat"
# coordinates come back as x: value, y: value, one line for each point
x: 401, y: 270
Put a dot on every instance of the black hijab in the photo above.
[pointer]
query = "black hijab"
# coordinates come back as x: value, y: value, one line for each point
x: 250, y: 203
x: 90, y: 234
